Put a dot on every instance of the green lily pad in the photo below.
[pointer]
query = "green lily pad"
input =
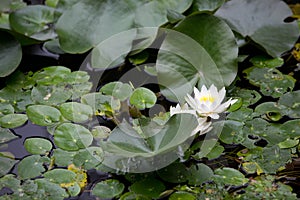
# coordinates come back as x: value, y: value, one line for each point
x: 182, y: 195
x: 13, y: 120
x: 63, y: 158
x: 103, y: 103
x: 32, y: 166
x: 100, y: 132
x: 229, y: 176
x: 133, y: 196
x: 76, y: 112
x: 60, y: 176
x: 50, y: 95
x: 207, y: 5
x: 117, y: 89
x: 125, y: 149
x: 108, y: 189
x: 142, y: 98
x: 50, y: 191
x: 19, y: 99
x: 290, y: 103
x: 174, y: 173
x: 88, y: 158
x: 148, y: 187
x: 52, y: 75
x: 43, y: 115
x: 6, y: 164
x: 38, y: 145
x: 212, y: 60
x: 288, y: 143
x: 271, y: 81
x: 266, y: 27
x: 6, y: 109
x: 271, y: 110
x: 291, y: 128
x: 6, y: 135
x: 34, y: 21
x: 199, y: 174
x: 72, y: 137
x: 10, y: 54
x: 231, y: 132
x: 101, y: 20
x: 262, y: 61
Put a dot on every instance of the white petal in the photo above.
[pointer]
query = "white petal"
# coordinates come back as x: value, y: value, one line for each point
x: 197, y: 93
x: 214, y: 115
x: 191, y: 101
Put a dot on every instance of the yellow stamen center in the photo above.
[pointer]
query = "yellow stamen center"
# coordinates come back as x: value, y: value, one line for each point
x: 207, y: 98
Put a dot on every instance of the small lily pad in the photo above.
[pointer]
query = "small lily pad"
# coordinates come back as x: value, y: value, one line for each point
x: 199, y: 174
x: 63, y: 158
x: 60, y: 176
x: 6, y: 109
x: 117, y: 89
x: 174, y: 173
x: 50, y: 95
x: 143, y: 98
x: 6, y: 164
x: 38, y: 145
x: 148, y: 187
x: 76, y: 112
x: 43, y: 115
x: 88, y: 158
x: 13, y: 120
x: 230, y: 176
x: 6, y: 135
x: 108, y: 189
x: 72, y: 137
x: 182, y: 195
x: 32, y: 166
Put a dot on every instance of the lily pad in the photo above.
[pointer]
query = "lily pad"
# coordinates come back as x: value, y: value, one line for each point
x: 60, y: 176
x: 266, y: 27
x: 174, y: 173
x: 13, y: 120
x: 6, y: 135
x: 38, y: 145
x: 6, y: 164
x: 117, y: 89
x: 32, y: 166
x: 34, y: 21
x: 43, y: 115
x: 148, y: 187
x: 212, y: 60
x: 108, y: 189
x: 51, y: 191
x: 182, y: 195
x: 88, y: 158
x: 6, y: 109
x: 76, y: 112
x: 230, y: 176
x: 271, y: 81
x: 125, y: 149
x: 10, y: 54
x: 63, y: 158
x: 142, y: 98
x: 50, y: 95
x: 207, y: 5
x: 72, y: 137
x: 199, y: 174
x: 290, y: 101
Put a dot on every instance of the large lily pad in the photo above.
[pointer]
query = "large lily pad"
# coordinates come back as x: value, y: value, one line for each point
x: 127, y: 150
x: 10, y: 54
x: 34, y: 21
x: 32, y: 166
x: 263, y: 22
x: 203, y: 51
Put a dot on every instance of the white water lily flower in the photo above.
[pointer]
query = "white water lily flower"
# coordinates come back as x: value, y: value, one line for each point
x: 208, y: 103
x: 203, y: 126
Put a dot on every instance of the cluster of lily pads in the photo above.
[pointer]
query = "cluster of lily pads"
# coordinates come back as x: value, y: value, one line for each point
x: 191, y: 152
